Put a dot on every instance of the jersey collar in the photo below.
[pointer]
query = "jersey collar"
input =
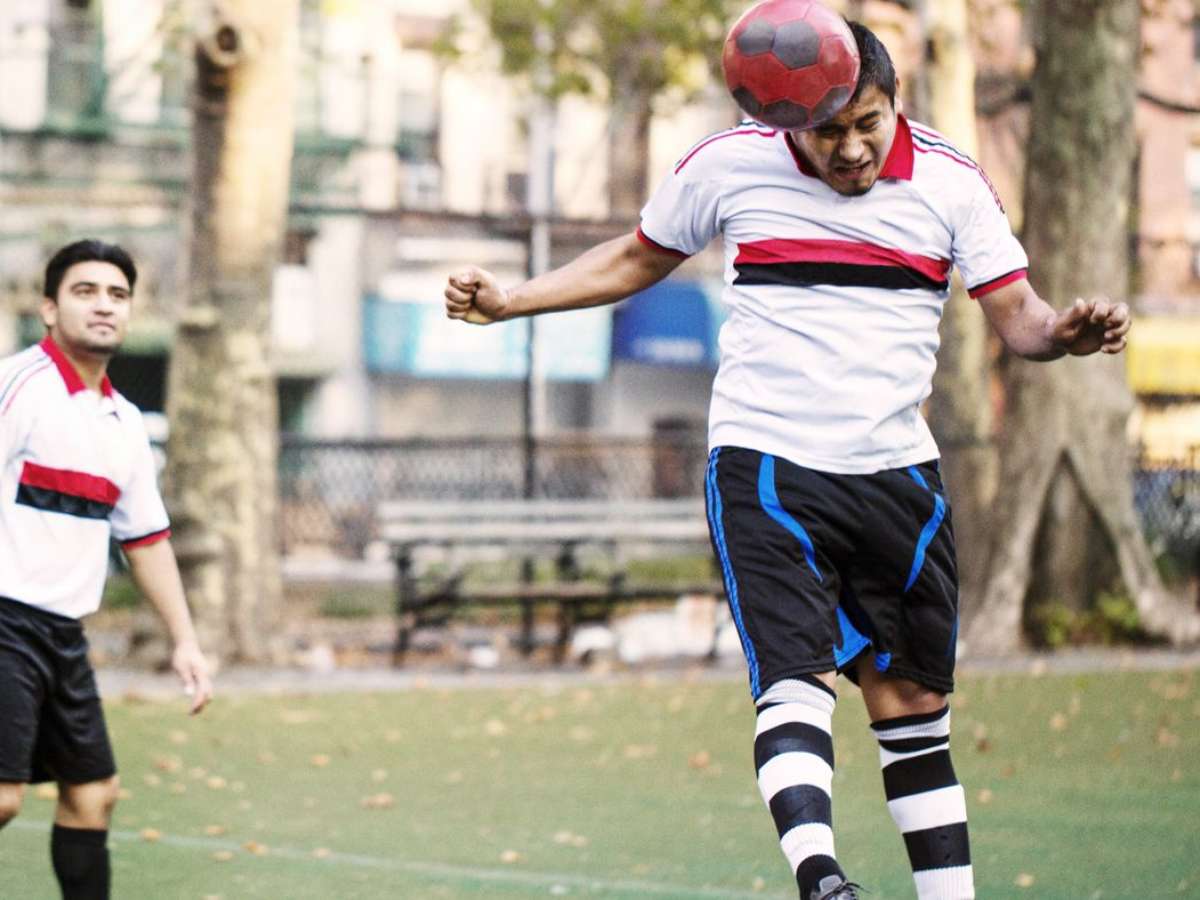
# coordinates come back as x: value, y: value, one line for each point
x: 66, y: 369
x: 899, y: 162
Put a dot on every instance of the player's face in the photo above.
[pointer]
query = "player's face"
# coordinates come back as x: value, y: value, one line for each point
x: 91, y: 312
x: 849, y: 151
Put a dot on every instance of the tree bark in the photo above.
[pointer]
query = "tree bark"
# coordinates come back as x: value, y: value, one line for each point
x: 222, y: 401
x: 960, y: 411
x: 1064, y: 423
x: 628, y: 144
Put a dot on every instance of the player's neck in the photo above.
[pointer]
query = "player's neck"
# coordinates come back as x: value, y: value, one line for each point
x: 92, y: 368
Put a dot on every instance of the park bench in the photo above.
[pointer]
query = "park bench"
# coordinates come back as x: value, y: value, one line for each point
x: 425, y: 536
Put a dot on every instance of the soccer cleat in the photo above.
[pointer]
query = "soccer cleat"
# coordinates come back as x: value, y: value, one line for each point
x: 832, y: 887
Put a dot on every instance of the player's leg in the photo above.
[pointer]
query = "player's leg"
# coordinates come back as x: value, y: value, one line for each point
x: 79, y: 838
x: 912, y: 724
x: 906, y: 596
x: 11, y: 796
x: 783, y: 596
x: 74, y: 748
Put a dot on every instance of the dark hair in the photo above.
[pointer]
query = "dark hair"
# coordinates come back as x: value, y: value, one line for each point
x: 90, y: 250
x: 876, y: 64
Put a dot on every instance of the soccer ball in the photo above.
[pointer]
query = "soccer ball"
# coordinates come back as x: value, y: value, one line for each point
x: 791, y: 64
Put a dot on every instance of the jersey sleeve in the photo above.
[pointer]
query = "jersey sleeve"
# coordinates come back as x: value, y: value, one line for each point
x: 986, y: 251
x: 139, y: 516
x: 682, y: 216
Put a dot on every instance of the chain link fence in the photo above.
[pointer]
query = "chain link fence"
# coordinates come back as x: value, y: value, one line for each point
x: 329, y: 489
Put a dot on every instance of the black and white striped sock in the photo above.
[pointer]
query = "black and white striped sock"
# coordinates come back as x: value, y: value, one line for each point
x: 793, y: 754
x: 927, y: 803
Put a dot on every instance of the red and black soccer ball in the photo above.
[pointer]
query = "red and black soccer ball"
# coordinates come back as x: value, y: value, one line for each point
x: 791, y: 64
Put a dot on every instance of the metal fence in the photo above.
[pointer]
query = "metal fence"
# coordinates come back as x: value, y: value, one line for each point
x: 329, y: 489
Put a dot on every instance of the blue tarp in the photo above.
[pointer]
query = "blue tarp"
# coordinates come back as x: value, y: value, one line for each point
x: 673, y: 323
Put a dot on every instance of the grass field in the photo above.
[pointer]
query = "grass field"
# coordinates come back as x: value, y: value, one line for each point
x: 1079, y: 787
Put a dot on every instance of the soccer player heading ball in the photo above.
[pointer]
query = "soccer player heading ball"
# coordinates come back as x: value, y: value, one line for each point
x: 825, y: 503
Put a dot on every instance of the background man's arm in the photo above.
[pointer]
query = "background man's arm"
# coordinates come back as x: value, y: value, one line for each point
x: 156, y: 575
x: 1032, y: 329
x: 604, y: 274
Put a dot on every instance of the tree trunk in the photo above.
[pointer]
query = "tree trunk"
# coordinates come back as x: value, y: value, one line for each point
x: 960, y: 412
x: 222, y: 397
x: 1064, y: 424
x: 628, y: 146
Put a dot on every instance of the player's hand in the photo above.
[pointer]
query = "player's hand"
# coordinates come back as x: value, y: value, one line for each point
x: 1092, y: 325
x: 192, y: 668
x: 473, y: 295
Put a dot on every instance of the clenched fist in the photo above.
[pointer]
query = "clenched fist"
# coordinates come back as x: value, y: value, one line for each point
x: 473, y: 295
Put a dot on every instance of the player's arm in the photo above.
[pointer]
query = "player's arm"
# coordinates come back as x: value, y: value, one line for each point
x: 1031, y: 328
x: 605, y: 274
x: 156, y: 574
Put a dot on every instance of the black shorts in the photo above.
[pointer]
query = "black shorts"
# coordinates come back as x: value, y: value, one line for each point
x: 51, y: 724
x: 819, y: 568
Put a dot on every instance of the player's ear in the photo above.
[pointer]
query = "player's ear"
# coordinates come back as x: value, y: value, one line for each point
x: 49, y: 311
x: 899, y: 104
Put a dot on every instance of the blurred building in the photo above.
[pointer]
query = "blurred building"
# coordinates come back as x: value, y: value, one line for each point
x: 408, y: 164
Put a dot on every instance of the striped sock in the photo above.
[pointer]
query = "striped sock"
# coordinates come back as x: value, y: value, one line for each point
x: 927, y: 803
x: 793, y: 753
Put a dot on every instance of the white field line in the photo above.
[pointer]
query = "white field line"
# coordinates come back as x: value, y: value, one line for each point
x: 441, y: 871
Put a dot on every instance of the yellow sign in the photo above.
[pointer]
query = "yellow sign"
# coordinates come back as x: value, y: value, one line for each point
x: 1163, y: 356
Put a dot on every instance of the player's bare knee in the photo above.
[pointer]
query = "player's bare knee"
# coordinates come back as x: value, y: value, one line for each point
x: 88, y: 805
x: 11, y: 796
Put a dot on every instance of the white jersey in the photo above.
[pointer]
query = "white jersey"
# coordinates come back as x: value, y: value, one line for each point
x: 834, y: 301
x: 75, y: 468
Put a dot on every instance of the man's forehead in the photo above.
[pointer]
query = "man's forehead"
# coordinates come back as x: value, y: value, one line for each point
x: 870, y: 100
x: 97, y: 272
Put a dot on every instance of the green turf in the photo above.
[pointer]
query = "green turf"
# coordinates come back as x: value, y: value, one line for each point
x: 1079, y: 787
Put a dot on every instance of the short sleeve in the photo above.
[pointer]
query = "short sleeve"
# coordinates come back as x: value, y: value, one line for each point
x: 139, y: 516
x: 682, y: 216
x: 986, y: 251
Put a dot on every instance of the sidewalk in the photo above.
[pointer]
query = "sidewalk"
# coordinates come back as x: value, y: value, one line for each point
x: 117, y: 682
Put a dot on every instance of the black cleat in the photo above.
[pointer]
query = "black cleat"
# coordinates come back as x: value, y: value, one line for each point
x: 831, y: 887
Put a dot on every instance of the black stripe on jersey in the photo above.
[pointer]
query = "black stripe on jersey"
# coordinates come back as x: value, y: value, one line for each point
x: 810, y: 274
x: 800, y: 804
x: 57, y: 502
x: 792, y: 737
x: 939, y: 847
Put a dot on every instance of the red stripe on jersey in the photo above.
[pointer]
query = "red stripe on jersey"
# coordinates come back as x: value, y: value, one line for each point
x: 996, y: 283
x: 147, y: 539
x: 965, y: 162
x: 779, y: 250
x: 75, y: 484
x: 655, y: 245
x: 716, y: 137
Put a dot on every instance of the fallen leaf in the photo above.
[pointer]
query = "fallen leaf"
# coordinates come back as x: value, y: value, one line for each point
x: 393, y: 735
x: 150, y: 835
x: 322, y: 853
x: 170, y: 764
x: 1058, y: 722
x: 701, y: 759
x: 379, y: 775
x: 984, y: 796
x: 639, y: 751
x: 256, y: 848
x: 320, y: 760
x: 581, y: 733
x: 510, y: 856
x: 124, y: 794
x: 759, y: 884
x: 216, y: 782
x: 379, y: 801
x: 214, y: 830
x: 454, y: 777
x: 178, y: 787
x: 151, y: 779
x: 223, y: 855
x: 1165, y: 737
x: 266, y: 757
x: 495, y: 728
x: 1024, y: 880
